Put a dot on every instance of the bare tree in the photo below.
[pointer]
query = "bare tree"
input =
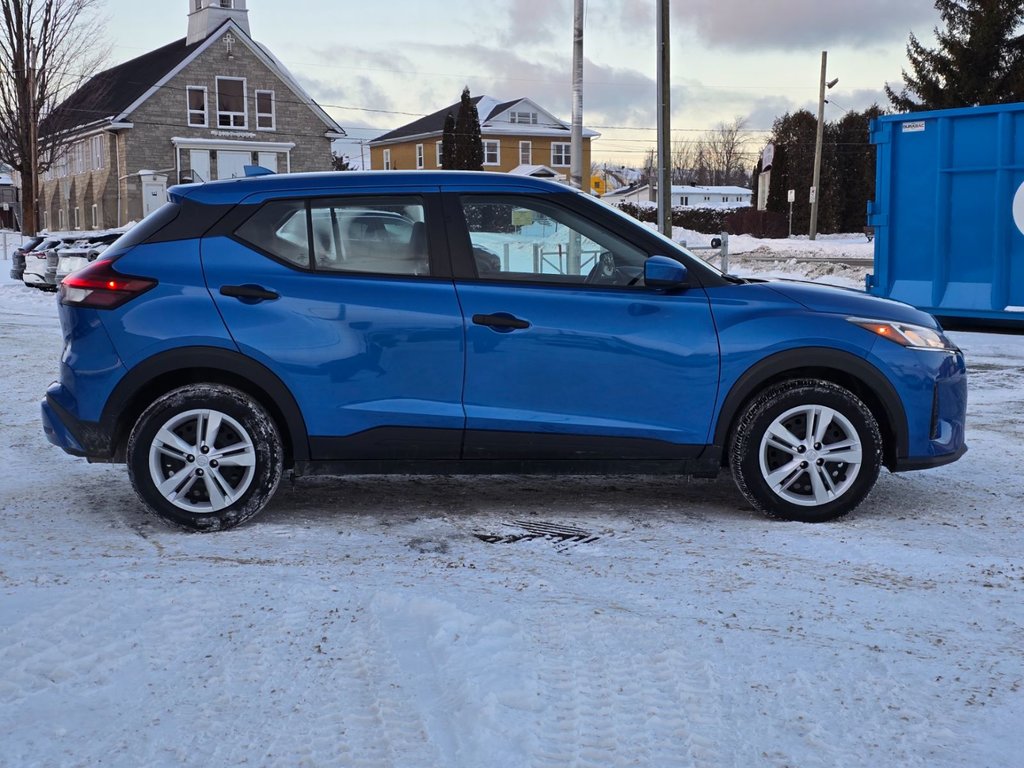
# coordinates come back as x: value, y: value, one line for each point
x: 727, y: 150
x: 682, y: 161
x: 47, y: 49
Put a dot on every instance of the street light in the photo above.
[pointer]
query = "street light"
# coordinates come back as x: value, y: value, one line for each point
x: 817, y: 144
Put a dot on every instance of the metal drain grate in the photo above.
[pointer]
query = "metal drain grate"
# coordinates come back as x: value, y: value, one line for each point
x: 537, y: 529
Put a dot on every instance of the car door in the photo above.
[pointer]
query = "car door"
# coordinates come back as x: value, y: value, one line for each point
x: 568, y: 356
x: 360, y: 321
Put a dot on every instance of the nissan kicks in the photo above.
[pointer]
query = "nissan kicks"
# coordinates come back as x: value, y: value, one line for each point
x: 449, y: 322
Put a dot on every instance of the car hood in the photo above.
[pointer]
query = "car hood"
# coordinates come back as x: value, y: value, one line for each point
x: 827, y: 298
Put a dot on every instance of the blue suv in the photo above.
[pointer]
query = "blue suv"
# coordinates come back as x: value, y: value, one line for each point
x: 475, y: 323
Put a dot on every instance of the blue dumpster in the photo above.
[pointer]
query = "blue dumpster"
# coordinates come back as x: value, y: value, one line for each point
x: 948, y: 212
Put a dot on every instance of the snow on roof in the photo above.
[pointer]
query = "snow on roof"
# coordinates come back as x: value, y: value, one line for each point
x: 489, y: 109
x: 537, y: 171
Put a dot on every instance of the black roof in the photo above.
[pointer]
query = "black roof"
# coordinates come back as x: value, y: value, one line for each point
x: 111, y: 92
x: 434, y: 123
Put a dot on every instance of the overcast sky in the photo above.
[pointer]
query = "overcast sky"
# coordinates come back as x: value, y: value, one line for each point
x: 377, y: 65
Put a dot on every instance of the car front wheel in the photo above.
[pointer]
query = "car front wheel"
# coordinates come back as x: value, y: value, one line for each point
x: 205, y: 457
x: 806, y: 450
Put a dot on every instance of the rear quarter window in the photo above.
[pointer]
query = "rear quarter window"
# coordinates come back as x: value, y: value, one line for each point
x: 144, y: 230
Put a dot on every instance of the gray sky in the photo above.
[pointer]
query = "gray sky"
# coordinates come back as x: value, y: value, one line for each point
x: 375, y: 66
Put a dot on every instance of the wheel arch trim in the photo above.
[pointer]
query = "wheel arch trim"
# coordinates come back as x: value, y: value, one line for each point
x: 260, y: 382
x: 798, y: 362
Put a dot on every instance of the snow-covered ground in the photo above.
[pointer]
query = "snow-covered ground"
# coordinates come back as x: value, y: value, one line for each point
x: 428, y: 621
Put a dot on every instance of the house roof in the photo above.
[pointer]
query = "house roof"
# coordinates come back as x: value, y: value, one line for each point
x: 117, y: 92
x: 489, y: 110
x: 112, y: 91
x: 537, y: 171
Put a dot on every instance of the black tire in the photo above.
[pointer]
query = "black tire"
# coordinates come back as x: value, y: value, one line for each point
x: 200, y: 484
x: 806, y: 450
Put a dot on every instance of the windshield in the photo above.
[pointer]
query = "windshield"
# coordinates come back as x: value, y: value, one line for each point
x: 673, y: 247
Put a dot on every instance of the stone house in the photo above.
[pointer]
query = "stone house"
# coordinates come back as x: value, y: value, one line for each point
x: 518, y: 136
x: 197, y: 109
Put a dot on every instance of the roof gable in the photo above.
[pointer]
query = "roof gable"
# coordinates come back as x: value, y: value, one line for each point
x: 117, y: 92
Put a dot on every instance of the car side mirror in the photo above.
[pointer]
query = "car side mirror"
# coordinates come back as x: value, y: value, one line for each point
x: 665, y: 274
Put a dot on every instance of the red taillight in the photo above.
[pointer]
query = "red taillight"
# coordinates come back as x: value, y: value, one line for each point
x: 99, y: 286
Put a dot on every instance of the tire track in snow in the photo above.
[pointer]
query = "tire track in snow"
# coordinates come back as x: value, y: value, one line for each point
x: 608, y: 708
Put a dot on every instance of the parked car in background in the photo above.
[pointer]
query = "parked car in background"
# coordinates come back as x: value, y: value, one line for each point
x: 494, y: 323
x: 36, y: 263
x: 18, y: 256
x: 73, y: 257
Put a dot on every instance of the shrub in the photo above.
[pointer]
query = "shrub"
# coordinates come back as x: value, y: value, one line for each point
x: 708, y: 221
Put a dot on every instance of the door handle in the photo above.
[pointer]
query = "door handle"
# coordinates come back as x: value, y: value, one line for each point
x: 250, y: 294
x: 501, y: 322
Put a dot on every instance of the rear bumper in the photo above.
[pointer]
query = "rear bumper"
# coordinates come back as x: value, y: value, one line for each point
x: 72, y: 435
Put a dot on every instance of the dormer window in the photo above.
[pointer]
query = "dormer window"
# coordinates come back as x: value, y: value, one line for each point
x: 523, y: 118
x: 231, y: 103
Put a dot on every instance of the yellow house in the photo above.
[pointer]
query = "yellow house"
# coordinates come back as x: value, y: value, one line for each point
x: 518, y: 136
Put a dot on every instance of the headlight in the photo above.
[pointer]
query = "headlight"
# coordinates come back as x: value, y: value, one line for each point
x: 907, y: 334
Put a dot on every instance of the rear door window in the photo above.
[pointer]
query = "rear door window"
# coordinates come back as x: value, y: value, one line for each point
x: 381, y: 235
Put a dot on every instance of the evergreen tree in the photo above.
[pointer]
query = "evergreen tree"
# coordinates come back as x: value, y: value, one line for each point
x: 794, y: 136
x: 855, y: 169
x: 469, y: 145
x: 448, y: 143
x: 979, y: 58
x: 340, y: 163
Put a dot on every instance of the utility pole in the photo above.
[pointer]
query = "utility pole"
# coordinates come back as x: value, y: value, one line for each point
x: 576, y: 134
x: 33, y: 161
x: 815, y: 191
x: 664, y: 124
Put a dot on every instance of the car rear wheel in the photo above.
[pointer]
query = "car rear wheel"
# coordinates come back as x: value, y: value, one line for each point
x: 806, y: 450
x: 205, y: 457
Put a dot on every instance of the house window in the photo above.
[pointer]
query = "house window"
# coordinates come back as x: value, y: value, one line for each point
x: 61, y: 218
x: 525, y: 118
x: 46, y: 219
x: 231, y: 103
x: 199, y: 5
x: 419, y: 156
x: 387, y: 159
x: 492, y: 153
x: 265, y: 119
x: 561, y: 153
x: 526, y: 153
x: 76, y: 219
x: 438, y: 146
x: 95, y: 216
x: 97, y: 152
x: 227, y: 3
x: 196, y: 96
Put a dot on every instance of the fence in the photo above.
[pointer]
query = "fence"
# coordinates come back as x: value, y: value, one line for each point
x: 719, y: 247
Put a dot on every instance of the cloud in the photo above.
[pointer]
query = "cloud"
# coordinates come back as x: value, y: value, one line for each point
x: 613, y: 95
x: 536, y: 21
x: 810, y: 24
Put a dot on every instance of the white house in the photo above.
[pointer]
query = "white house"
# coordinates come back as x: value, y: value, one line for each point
x: 710, y: 197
